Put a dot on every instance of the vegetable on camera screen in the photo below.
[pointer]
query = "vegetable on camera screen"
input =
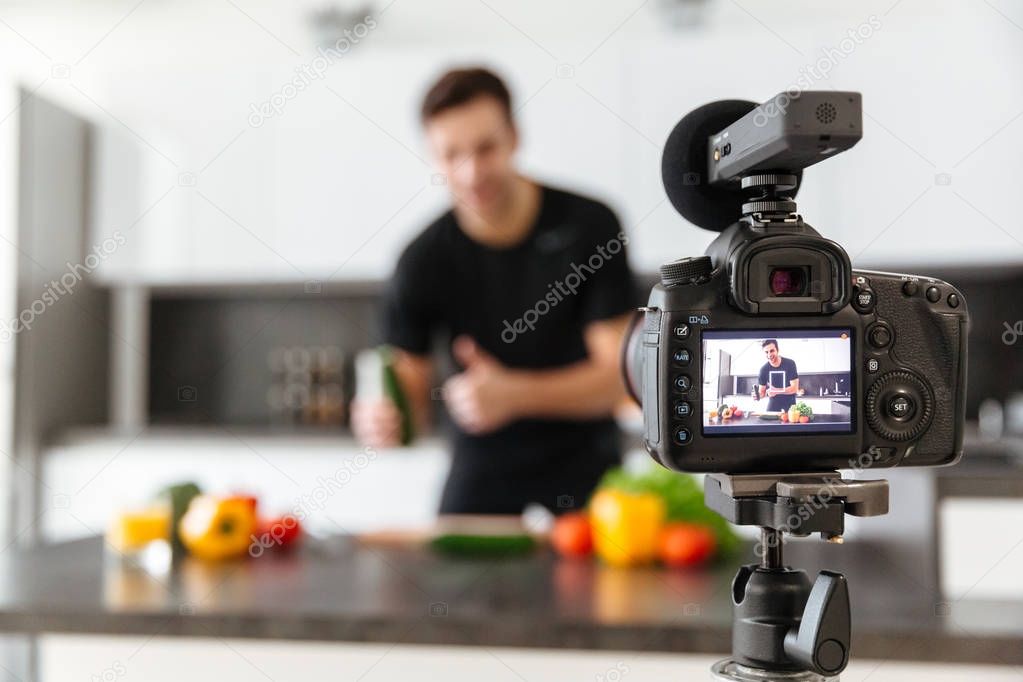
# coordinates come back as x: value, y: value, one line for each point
x: 775, y: 382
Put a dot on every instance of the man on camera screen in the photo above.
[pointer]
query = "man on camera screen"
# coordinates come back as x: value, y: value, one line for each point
x: 778, y: 378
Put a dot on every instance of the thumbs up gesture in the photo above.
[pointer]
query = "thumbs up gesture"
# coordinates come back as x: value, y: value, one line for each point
x: 483, y: 396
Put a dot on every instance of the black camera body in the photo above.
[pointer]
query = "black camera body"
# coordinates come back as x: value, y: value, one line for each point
x: 904, y: 393
x: 771, y: 353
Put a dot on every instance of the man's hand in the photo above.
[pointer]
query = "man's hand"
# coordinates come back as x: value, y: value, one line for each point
x: 481, y: 398
x: 771, y: 392
x: 376, y: 423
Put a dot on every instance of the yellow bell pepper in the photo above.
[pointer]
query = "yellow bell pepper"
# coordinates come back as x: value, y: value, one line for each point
x: 216, y: 528
x: 626, y: 526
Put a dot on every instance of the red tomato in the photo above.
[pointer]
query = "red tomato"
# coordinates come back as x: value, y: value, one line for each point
x: 572, y: 535
x: 803, y: 419
x: 686, y: 544
x: 282, y: 531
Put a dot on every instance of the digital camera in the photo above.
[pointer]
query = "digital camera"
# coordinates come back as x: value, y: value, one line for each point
x: 770, y: 353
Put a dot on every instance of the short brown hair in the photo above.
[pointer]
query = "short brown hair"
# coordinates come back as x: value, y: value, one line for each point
x: 459, y: 86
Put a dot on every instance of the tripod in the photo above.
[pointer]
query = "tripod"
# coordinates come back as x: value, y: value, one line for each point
x: 784, y: 629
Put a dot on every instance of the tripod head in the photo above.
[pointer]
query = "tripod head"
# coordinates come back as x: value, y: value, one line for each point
x: 782, y: 627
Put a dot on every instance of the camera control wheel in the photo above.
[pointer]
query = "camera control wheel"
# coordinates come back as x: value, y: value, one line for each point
x: 899, y: 406
x: 686, y: 271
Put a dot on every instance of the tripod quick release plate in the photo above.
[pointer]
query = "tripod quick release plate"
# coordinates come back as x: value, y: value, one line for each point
x: 798, y: 504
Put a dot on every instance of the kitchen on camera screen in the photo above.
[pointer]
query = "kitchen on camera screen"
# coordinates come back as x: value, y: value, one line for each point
x: 768, y: 382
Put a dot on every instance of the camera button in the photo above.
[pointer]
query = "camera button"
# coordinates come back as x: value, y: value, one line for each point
x: 863, y: 301
x: 683, y: 409
x: 683, y: 436
x: 873, y: 365
x: 933, y: 294
x: 910, y: 288
x: 953, y: 301
x: 901, y: 407
x: 681, y: 331
x: 683, y: 383
x: 681, y: 356
x: 879, y: 336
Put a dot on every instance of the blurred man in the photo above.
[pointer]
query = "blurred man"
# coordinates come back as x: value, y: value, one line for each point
x: 778, y: 378
x: 529, y: 287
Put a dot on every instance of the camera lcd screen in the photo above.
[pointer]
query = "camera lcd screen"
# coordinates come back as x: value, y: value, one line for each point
x: 777, y: 382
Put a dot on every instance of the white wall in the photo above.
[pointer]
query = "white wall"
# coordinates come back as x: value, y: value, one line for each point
x: 335, y: 182
x: 810, y: 355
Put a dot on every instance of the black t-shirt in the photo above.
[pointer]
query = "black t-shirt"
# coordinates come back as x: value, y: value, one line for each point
x: 527, y: 305
x: 779, y: 377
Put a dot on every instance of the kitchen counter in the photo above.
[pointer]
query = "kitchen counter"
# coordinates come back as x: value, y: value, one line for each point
x: 340, y: 590
x: 745, y: 424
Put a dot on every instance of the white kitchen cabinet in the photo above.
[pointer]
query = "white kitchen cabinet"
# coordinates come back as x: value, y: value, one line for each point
x: 808, y: 354
x: 351, y: 184
x: 974, y: 534
x: 819, y: 405
x: 665, y: 80
x: 163, y: 659
x: 101, y: 473
x: 337, y: 182
x: 836, y: 356
x: 330, y: 183
x: 189, y: 192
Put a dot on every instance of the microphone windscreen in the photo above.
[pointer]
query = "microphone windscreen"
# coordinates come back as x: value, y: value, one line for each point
x: 684, y: 166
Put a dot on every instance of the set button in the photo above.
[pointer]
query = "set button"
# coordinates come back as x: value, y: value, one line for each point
x: 901, y: 407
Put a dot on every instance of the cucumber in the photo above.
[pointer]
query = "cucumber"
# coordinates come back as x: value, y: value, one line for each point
x: 482, y: 545
x: 393, y: 390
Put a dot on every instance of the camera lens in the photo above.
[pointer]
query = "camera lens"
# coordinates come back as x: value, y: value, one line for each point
x: 788, y: 281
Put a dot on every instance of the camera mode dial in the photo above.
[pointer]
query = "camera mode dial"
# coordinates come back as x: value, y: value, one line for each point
x: 899, y: 406
x: 686, y: 271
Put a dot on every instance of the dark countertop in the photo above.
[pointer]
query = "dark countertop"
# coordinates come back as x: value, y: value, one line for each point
x: 339, y: 590
x: 821, y: 421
